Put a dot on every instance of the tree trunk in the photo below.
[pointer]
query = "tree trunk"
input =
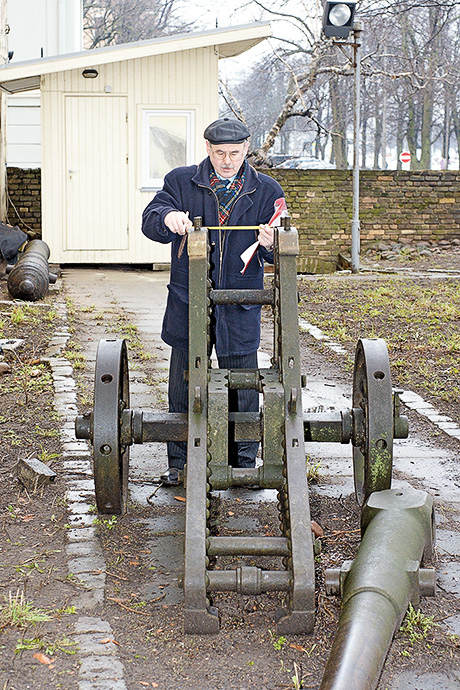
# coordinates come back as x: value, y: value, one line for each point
x: 411, y: 133
x: 377, y: 140
x: 427, y: 116
x: 446, y: 132
x: 304, y: 82
x: 384, y: 129
x: 399, y: 140
x: 456, y: 125
x: 339, y: 137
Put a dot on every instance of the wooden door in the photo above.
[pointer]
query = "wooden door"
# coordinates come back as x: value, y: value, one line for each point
x: 96, y: 160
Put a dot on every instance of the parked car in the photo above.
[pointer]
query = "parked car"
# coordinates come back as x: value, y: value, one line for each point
x: 306, y: 163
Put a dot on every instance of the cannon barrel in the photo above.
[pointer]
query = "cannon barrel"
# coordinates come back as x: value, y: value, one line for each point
x: 377, y: 587
x: 29, y: 279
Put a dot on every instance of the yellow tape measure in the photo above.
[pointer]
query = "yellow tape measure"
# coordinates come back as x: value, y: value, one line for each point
x: 232, y: 227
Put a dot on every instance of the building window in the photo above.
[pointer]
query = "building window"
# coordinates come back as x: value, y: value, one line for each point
x: 167, y: 142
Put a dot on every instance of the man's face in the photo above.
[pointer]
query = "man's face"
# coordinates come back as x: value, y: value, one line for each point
x: 227, y: 158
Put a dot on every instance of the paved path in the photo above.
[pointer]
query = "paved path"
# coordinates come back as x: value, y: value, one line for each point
x: 142, y: 295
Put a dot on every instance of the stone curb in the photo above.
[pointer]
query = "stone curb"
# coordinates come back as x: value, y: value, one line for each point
x: 100, y: 667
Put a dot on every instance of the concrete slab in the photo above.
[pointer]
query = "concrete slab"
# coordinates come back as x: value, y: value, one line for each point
x: 158, y: 495
x: 242, y: 523
x: 98, y: 684
x: 94, y: 643
x: 81, y: 534
x: 428, y: 681
x: 101, y: 668
x: 165, y: 565
x: 87, y: 548
x: 452, y: 624
x: 85, y: 624
x: 449, y: 577
x: 448, y: 542
x: 166, y: 524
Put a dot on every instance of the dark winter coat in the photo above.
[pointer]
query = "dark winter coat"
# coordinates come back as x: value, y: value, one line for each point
x: 237, y: 327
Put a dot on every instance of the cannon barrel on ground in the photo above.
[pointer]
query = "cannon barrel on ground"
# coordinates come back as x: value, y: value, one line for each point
x: 378, y: 586
x: 29, y: 279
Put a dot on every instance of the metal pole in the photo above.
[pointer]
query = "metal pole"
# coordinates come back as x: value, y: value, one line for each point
x: 355, y: 227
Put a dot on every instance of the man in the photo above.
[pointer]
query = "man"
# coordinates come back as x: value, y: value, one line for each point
x: 224, y: 190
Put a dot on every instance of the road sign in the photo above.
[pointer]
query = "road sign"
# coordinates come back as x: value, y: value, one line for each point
x: 404, y: 157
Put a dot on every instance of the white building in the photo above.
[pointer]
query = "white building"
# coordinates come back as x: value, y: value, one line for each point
x: 37, y: 29
x: 115, y: 120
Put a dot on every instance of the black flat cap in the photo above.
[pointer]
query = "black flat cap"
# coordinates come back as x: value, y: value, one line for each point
x: 226, y: 131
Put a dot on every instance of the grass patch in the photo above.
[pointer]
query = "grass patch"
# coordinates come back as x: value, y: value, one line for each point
x: 418, y: 318
x: 50, y: 648
x: 17, y: 612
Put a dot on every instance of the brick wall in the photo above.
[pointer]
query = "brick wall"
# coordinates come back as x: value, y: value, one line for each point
x: 394, y: 205
x: 24, y: 199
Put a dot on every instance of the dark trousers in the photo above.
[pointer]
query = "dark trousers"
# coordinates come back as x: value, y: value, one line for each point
x: 242, y: 454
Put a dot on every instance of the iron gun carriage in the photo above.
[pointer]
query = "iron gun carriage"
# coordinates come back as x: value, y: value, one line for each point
x: 281, y: 426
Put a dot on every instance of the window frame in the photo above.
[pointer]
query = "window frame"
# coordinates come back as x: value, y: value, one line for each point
x: 149, y: 183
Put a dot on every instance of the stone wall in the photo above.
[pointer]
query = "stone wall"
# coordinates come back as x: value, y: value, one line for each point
x: 394, y: 205
x: 24, y: 199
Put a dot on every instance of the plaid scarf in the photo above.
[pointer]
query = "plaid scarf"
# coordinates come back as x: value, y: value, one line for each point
x: 227, y: 193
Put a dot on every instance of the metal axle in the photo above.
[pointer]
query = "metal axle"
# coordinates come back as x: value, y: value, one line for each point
x: 144, y: 426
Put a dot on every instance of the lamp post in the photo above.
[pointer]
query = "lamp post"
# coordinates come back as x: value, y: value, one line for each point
x: 338, y: 21
x: 355, y: 225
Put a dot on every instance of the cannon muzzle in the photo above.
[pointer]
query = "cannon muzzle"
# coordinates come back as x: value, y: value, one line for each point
x: 29, y: 279
x: 377, y: 587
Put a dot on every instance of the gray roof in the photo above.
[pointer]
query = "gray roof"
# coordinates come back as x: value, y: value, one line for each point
x: 229, y: 42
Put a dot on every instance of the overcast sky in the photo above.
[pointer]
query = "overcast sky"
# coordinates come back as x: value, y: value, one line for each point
x: 223, y: 14
x: 235, y: 12
x: 228, y: 13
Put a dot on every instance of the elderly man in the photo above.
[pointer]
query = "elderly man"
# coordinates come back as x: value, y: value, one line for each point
x: 224, y: 190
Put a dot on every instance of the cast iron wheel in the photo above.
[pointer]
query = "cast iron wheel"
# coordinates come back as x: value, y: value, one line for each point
x: 110, y: 455
x: 372, y: 419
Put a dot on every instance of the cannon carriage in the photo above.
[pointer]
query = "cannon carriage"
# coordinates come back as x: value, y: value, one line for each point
x: 280, y: 426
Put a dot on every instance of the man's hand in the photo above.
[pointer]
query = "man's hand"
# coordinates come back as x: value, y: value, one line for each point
x: 178, y: 222
x: 266, y: 236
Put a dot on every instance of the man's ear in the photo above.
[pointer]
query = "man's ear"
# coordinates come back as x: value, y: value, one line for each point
x: 208, y: 147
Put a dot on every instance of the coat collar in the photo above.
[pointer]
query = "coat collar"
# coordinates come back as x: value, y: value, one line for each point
x: 201, y: 176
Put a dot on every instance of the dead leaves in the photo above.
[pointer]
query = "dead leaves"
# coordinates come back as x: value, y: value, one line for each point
x: 107, y: 640
x: 316, y: 529
x: 43, y: 659
x: 128, y: 608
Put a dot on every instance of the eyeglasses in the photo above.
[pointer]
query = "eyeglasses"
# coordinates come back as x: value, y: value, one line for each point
x: 233, y: 155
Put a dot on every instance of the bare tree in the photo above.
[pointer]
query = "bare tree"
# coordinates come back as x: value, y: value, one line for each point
x: 406, y: 67
x: 108, y: 22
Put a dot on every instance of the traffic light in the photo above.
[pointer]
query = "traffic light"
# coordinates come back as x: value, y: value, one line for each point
x: 338, y: 18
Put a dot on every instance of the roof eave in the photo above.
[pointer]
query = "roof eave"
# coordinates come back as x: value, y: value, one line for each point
x: 228, y: 42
